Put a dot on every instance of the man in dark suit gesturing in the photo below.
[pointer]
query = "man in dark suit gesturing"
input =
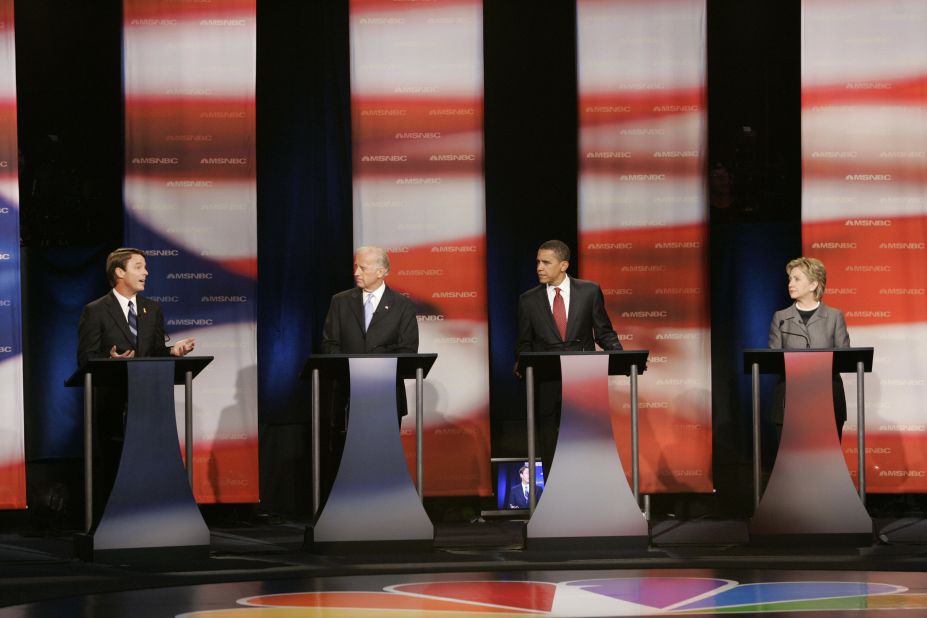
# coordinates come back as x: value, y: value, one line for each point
x: 121, y: 324
x: 562, y: 314
x: 106, y: 325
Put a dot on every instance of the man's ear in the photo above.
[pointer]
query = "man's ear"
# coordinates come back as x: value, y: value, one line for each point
x: 120, y: 273
x: 564, y: 265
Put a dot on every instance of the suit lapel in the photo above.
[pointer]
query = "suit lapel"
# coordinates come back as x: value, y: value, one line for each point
x: 796, y: 324
x: 357, y: 307
x: 543, y: 307
x: 577, y: 308
x: 383, y: 307
x: 144, y: 324
x: 115, y: 312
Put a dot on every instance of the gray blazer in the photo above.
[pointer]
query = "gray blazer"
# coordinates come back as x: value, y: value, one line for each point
x: 826, y: 329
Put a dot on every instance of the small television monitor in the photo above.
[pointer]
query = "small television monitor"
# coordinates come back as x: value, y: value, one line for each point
x: 508, y: 482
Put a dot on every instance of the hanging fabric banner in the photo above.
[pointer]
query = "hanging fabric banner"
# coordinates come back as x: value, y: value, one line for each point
x: 864, y: 213
x: 417, y: 113
x: 12, y: 455
x: 190, y: 198
x: 643, y: 221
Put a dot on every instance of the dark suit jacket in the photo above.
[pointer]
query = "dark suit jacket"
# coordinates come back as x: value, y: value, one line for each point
x: 587, y: 321
x: 393, y: 330
x: 103, y: 325
x: 827, y: 328
x: 517, y: 498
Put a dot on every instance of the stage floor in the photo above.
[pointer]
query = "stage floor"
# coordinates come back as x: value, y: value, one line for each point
x: 701, y: 568
x: 512, y: 594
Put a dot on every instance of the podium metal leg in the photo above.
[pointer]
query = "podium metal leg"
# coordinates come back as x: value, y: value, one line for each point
x: 88, y: 451
x: 755, y: 395
x: 532, y: 455
x: 419, y: 425
x: 188, y: 423
x: 635, y: 444
x: 316, y: 455
x: 861, y: 429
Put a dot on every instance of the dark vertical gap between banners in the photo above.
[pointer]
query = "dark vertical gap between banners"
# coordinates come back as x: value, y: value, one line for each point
x: 754, y: 181
x: 531, y: 176
x: 304, y: 222
x: 69, y: 116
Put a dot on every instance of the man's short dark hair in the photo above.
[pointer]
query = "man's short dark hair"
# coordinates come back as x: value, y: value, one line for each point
x: 560, y: 249
x: 118, y: 259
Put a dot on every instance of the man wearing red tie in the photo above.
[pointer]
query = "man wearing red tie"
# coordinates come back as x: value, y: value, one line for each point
x: 562, y: 314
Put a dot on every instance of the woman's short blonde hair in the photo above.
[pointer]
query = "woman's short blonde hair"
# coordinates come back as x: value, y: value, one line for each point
x: 813, y: 269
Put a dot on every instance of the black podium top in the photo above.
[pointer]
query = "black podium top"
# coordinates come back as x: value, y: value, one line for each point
x: 337, y: 364
x: 112, y: 371
x: 547, y: 364
x: 773, y: 361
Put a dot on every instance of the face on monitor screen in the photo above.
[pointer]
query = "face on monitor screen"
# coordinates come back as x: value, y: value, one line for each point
x: 513, y: 484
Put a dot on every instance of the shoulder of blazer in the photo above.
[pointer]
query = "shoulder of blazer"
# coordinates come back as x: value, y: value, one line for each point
x: 393, y: 297
x: 537, y: 291
x: 346, y: 295
x: 106, y: 300
x: 583, y: 285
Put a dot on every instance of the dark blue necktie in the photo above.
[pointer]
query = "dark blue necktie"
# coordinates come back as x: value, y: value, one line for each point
x: 133, y: 324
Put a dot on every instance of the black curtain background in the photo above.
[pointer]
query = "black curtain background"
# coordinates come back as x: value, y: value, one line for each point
x: 71, y: 140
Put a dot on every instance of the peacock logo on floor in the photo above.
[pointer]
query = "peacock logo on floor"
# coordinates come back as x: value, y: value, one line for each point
x: 583, y: 598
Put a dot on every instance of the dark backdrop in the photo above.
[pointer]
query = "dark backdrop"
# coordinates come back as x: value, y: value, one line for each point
x: 70, y: 131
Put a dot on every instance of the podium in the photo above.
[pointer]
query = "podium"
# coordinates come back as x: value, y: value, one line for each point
x: 151, y: 511
x: 810, y: 496
x: 373, y: 503
x: 587, y: 501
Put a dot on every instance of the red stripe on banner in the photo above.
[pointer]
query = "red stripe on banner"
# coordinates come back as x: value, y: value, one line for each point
x: 874, y: 270
x: 358, y: 7
x: 879, y: 90
x: 225, y: 471
x: 608, y: 108
x: 13, y: 484
x: 141, y: 13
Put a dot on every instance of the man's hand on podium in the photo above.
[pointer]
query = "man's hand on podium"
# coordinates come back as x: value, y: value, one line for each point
x: 183, y: 347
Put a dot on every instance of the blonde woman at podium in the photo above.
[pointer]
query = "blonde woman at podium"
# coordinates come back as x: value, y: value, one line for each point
x: 808, y: 324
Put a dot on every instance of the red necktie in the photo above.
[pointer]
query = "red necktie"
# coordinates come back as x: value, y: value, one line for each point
x: 560, y: 314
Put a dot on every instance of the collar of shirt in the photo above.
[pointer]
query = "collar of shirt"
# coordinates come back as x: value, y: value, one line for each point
x: 124, y: 303
x: 564, y: 292
x: 377, y: 295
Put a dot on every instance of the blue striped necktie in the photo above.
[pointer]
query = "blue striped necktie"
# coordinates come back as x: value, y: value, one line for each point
x: 368, y: 312
x: 133, y: 324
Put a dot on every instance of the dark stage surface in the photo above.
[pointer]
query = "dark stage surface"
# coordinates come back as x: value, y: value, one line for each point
x: 479, y: 569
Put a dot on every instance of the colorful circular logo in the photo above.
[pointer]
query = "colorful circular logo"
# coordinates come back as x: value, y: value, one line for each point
x: 582, y: 598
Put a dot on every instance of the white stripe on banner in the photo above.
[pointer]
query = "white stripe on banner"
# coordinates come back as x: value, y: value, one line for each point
x: 191, y: 197
x: 12, y: 456
x: 417, y: 108
x: 864, y: 212
x: 642, y: 220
